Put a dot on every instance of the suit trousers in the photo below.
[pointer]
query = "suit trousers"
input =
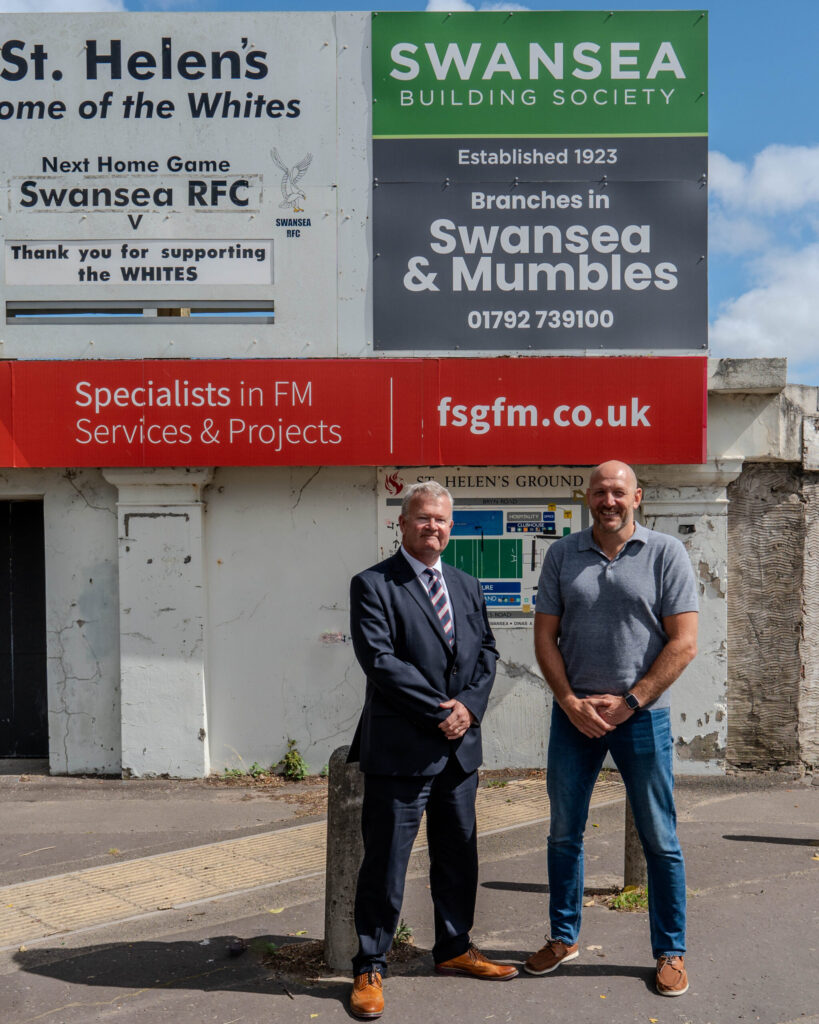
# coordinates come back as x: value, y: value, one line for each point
x: 390, y: 819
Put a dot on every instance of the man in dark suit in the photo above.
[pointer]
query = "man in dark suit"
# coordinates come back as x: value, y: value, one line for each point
x: 421, y: 635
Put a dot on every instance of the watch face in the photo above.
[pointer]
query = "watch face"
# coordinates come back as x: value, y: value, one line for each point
x: 632, y: 701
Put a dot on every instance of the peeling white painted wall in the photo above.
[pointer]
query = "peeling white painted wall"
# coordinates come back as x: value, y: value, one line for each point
x: 281, y: 546
x: 698, y: 697
x: 82, y: 614
x: 516, y: 724
x: 253, y: 649
x: 162, y: 622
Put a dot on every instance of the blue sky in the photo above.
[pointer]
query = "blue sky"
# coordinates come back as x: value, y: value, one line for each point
x: 764, y: 165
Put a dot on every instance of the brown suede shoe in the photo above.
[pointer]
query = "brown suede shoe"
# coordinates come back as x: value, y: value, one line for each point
x: 672, y: 979
x: 474, y: 964
x: 550, y: 956
x: 367, y: 999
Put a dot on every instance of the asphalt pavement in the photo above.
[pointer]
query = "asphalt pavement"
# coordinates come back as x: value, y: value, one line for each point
x: 126, y: 900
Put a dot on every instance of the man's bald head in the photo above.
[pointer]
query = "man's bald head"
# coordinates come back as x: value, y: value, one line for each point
x: 612, y: 497
x: 613, y: 468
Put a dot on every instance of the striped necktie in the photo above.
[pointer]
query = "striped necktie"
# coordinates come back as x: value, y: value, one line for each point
x: 437, y: 595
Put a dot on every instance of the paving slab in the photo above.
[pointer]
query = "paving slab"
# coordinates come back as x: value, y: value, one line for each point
x: 57, y: 824
x: 33, y: 909
x: 753, y: 867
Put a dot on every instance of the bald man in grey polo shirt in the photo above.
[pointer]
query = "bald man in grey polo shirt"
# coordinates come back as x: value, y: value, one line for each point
x: 615, y: 625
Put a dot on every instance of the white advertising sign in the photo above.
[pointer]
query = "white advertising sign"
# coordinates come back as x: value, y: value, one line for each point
x: 183, y: 138
x: 139, y: 262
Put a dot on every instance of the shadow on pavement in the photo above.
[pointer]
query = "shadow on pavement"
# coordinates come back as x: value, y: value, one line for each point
x: 646, y: 974
x: 203, y: 965
x: 206, y: 966
x: 538, y: 887
x: 541, y: 888
x: 782, y: 840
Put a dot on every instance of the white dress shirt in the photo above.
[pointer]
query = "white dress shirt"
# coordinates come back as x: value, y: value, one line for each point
x: 421, y: 567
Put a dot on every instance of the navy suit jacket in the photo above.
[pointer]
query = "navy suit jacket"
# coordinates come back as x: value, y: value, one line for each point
x: 411, y: 668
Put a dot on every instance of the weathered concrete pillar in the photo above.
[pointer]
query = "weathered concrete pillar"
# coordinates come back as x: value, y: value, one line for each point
x: 635, y: 871
x: 345, y: 849
x: 808, y: 725
x: 162, y: 603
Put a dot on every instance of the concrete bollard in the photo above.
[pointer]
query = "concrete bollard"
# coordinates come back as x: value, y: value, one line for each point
x: 634, y: 861
x: 345, y: 849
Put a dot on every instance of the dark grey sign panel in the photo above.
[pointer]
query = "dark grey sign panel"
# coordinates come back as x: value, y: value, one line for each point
x: 589, y: 159
x: 550, y: 266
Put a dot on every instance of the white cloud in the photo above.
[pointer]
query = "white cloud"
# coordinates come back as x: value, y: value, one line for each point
x: 765, y: 215
x: 780, y: 179
x: 59, y: 6
x: 449, y: 5
x: 171, y: 5
x: 736, y: 235
x: 779, y: 315
x: 726, y: 177
x: 462, y: 5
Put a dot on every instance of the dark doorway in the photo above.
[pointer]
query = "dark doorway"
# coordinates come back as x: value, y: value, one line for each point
x: 23, y: 701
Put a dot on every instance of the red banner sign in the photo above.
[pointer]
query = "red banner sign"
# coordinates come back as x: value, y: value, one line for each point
x: 353, y: 412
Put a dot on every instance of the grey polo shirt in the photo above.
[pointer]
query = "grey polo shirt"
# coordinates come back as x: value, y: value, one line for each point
x: 611, y: 612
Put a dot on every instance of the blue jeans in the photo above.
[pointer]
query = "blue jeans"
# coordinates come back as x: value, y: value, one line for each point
x: 642, y: 750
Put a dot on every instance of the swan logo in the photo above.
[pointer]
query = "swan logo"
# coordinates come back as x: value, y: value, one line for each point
x: 292, y: 192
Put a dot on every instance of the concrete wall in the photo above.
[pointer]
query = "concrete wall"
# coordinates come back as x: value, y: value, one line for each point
x: 162, y: 621
x: 696, y: 514
x: 773, y: 622
x: 767, y: 538
x: 281, y: 546
x: 198, y: 619
x: 82, y: 614
x: 808, y: 723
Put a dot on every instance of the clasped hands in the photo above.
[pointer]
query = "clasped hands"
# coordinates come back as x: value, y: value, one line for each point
x: 458, y: 721
x: 597, y: 715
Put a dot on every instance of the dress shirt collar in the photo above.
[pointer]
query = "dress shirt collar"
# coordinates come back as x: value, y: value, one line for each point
x: 418, y: 565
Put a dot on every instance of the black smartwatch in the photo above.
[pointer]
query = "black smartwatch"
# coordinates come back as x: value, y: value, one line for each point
x: 631, y: 702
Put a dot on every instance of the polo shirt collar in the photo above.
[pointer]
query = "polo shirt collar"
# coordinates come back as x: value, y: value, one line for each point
x: 640, y: 536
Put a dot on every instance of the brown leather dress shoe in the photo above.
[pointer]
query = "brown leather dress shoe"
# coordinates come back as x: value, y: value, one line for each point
x: 367, y: 998
x: 474, y: 964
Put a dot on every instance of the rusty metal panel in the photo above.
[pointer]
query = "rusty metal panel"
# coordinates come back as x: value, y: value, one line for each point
x: 766, y: 536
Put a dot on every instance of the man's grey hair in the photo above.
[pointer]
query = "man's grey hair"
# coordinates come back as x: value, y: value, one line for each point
x: 429, y: 488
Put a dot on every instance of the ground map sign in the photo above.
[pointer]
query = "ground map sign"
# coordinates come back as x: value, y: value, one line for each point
x: 540, y: 181
x: 505, y: 518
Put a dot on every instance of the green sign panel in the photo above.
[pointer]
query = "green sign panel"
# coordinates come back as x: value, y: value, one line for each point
x: 539, y: 74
